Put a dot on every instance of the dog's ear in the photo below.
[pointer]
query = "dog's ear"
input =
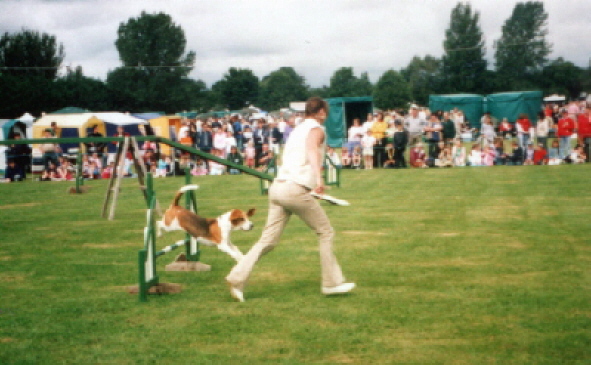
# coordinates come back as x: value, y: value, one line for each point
x: 251, y: 212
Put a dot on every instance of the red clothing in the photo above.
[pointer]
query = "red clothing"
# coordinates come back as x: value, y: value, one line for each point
x: 505, y: 127
x: 539, y: 155
x: 417, y: 155
x: 584, y: 130
x: 566, y: 127
x: 525, y: 124
x: 548, y: 112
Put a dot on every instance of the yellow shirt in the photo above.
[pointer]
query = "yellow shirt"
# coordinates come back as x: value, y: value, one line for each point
x: 378, y: 129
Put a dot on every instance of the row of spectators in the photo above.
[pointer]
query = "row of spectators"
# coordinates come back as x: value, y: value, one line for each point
x: 383, y: 139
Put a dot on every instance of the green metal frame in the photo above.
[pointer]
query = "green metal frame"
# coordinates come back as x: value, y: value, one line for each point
x: 148, y: 276
x: 265, y: 184
x: 147, y: 256
x: 79, y: 176
x: 332, y: 173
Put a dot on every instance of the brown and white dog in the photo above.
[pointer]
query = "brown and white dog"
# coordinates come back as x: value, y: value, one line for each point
x: 210, y: 232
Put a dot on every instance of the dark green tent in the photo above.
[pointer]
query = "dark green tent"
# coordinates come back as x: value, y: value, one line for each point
x: 470, y: 104
x: 341, y: 114
x: 510, y: 105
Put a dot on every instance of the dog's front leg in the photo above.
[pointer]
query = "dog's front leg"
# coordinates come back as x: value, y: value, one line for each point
x: 231, y: 250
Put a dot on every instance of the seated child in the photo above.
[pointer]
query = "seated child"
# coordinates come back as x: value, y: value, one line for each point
x: 475, y: 157
x: 345, y: 157
x: 356, y: 158
x: 161, y: 167
x: 390, y: 163
x: 334, y: 157
x: 199, y: 169
x: 445, y: 158
x: 578, y: 155
x: 50, y: 173
x: 108, y: 171
x: 529, y: 155
x: 516, y: 156
x: 417, y: 156
x: 235, y: 157
x: 488, y: 156
x: 554, y: 154
x: 249, y: 154
x: 540, y: 156
x: 459, y: 153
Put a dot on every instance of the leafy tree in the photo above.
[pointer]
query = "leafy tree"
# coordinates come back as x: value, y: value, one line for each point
x: 323, y: 91
x: 21, y: 54
x: 424, y: 77
x: 463, y: 62
x: 344, y: 83
x: 522, y: 51
x: 281, y: 87
x: 364, y: 87
x: 33, y: 94
x: 391, y: 91
x: 562, y: 77
x: 155, y: 43
x: 29, y: 62
x: 75, y: 89
x: 237, y: 89
x: 155, y: 68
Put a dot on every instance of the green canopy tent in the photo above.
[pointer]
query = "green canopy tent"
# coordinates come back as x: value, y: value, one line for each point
x: 510, y: 105
x: 470, y: 104
x: 341, y: 114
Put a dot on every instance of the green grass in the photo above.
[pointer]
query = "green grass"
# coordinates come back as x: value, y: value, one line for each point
x: 461, y: 265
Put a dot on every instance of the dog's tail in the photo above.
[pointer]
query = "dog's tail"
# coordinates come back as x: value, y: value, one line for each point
x: 181, y: 191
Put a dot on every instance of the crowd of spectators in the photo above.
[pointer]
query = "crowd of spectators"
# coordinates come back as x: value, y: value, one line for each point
x: 419, y: 138
x: 447, y: 139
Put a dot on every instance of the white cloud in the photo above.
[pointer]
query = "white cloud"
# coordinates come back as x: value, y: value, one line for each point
x: 314, y: 37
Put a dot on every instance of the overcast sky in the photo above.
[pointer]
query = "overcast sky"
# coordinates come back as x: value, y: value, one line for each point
x: 315, y: 37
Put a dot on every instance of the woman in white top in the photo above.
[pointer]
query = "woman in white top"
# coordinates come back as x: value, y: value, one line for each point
x: 356, y: 132
x: 487, y: 129
x: 542, y: 129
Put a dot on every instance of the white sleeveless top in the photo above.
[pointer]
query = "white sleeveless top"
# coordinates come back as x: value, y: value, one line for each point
x: 296, y: 166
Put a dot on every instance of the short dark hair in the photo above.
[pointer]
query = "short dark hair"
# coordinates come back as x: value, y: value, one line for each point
x: 314, y: 105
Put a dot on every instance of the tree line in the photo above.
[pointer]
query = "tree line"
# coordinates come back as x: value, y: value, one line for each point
x: 153, y: 75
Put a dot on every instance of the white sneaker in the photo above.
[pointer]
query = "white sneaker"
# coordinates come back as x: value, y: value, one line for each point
x: 236, y: 293
x: 339, y: 289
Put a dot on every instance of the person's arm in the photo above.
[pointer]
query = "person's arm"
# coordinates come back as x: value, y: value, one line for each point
x: 313, y: 143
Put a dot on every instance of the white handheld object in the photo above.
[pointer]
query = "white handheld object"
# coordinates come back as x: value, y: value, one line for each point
x: 331, y: 199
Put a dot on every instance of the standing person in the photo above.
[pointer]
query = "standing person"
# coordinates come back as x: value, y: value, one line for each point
x: 50, y: 149
x: 400, y: 141
x: 542, y: 129
x: 355, y: 134
x: 289, y: 194
x: 367, y: 143
x: 565, y: 129
x: 449, y: 128
x: 21, y: 155
x: 523, y: 126
x: 433, y: 132
x: 378, y: 131
x: 414, y: 125
x: 584, y: 130
x: 487, y: 130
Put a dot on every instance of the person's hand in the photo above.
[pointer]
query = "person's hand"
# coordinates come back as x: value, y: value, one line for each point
x: 319, y: 188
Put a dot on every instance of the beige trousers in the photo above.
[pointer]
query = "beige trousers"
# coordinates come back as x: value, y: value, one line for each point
x: 287, y: 198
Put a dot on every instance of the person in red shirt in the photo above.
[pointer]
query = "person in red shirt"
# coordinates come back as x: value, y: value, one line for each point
x: 540, y: 155
x: 565, y: 129
x: 584, y: 126
x: 523, y: 126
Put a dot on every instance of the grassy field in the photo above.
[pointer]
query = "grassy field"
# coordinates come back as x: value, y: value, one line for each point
x: 462, y: 265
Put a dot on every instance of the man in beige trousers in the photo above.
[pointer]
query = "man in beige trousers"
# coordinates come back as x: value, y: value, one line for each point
x: 289, y: 194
